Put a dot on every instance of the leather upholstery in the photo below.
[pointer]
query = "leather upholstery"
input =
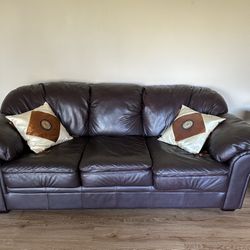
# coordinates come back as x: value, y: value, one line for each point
x: 56, y: 167
x: 118, y: 167
x: 229, y: 139
x: 109, y: 161
x: 150, y: 199
x: 115, y: 110
x: 2, y: 202
x: 82, y: 189
x: 2, y: 191
x: 239, y: 179
x: 162, y: 104
x: 208, y: 101
x: 23, y: 99
x: 175, y: 169
x: 117, y: 178
x: 108, y: 153
x: 191, y: 183
x: 72, y: 109
x: 11, y: 144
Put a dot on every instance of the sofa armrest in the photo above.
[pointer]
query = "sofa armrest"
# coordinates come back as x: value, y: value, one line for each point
x: 229, y: 139
x: 11, y: 144
x: 238, y: 182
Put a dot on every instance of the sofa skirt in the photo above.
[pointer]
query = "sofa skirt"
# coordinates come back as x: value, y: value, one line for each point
x: 78, y: 198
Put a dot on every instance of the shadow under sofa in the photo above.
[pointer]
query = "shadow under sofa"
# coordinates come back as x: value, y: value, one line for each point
x: 115, y: 159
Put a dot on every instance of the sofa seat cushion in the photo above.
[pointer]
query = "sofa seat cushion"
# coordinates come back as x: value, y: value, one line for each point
x: 56, y: 167
x: 116, y: 161
x: 117, y: 178
x: 175, y: 169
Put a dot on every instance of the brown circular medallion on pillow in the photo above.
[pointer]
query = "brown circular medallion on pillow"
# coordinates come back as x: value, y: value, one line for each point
x: 44, y: 125
x: 188, y: 125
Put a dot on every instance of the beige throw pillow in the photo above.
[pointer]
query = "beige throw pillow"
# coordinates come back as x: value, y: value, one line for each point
x: 190, y: 129
x: 40, y: 128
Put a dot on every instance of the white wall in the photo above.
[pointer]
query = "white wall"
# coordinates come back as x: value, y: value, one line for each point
x: 201, y: 42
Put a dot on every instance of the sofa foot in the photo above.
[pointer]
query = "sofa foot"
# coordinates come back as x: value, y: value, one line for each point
x: 227, y: 210
x: 4, y: 211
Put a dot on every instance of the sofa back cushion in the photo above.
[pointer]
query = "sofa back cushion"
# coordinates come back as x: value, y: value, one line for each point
x: 68, y: 100
x: 162, y: 103
x: 23, y: 99
x: 115, y: 109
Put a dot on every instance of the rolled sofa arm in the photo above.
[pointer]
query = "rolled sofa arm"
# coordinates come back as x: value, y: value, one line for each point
x: 11, y: 144
x: 229, y: 139
x: 239, y: 179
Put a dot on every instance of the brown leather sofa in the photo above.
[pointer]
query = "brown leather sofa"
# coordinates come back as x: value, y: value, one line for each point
x: 115, y: 159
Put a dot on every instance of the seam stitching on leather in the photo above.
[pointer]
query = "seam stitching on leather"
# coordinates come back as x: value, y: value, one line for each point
x: 40, y: 173
x: 115, y: 172
x: 188, y: 176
